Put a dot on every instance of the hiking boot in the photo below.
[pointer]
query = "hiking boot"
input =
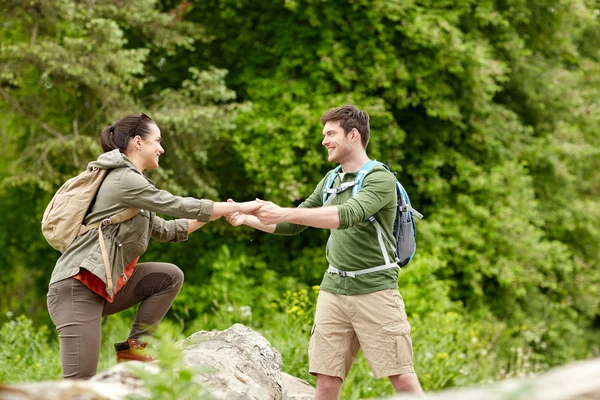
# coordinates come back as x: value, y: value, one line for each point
x: 132, y: 350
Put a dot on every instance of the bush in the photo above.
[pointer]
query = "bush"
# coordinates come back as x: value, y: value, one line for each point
x: 27, y: 353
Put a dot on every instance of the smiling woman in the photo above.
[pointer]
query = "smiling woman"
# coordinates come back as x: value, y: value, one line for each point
x: 142, y: 145
x: 81, y: 289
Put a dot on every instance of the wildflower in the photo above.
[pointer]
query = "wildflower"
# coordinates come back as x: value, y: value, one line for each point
x: 246, y: 311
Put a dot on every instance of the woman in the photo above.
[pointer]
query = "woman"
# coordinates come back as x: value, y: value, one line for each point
x: 77, y: 296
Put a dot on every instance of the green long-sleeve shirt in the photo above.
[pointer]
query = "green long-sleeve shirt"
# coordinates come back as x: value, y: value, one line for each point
x: 354, y: 246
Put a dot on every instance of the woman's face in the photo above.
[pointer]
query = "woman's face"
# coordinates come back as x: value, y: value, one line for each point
x: 151, y: 148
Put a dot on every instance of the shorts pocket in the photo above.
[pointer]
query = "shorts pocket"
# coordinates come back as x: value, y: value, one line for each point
x: 398, y: 334
x: 396, y: 328
x: 404, y: 350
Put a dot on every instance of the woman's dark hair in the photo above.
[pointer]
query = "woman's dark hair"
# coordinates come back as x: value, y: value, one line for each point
x: 117, y: 136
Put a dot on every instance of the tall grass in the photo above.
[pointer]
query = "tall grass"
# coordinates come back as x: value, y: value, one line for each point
x: 450, y: 349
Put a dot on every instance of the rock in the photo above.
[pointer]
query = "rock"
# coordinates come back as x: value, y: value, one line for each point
x: 246, y: 365
x: 296, y: 388
x: 64, y: 390
x: 235, y: 364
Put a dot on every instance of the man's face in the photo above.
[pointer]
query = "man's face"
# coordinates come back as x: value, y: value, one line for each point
x: 337, y: 143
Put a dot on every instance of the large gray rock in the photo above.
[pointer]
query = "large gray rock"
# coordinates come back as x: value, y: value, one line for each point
x: 245, y: 365
x: 65, y: 390
x: 235, y: 364
x: 296, y: 388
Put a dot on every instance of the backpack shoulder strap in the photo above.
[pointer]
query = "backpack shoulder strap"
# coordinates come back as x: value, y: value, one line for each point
x: 329, y: 182
x: 360, y: 175
x: 114, y: 219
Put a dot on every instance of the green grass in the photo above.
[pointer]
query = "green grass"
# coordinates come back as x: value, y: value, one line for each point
x: 450, y: 350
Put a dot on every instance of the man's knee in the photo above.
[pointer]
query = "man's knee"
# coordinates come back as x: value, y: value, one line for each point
x: 328, y: 382
x: 406, y: 383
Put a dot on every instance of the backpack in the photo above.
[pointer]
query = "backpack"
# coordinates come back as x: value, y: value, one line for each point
x: 63, y: 218
x: 404, y: 230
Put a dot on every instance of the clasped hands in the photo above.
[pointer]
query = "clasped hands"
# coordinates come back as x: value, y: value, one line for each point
x: 268, y: 213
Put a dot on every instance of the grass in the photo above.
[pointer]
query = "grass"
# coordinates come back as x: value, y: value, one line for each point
x: 450, y: 351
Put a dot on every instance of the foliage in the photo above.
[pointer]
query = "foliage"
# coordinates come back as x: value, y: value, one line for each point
x: 66, y: 70
x: 26, y: 353
x: 173, y: 380
x: 491, y: 129
x: 69, y: 68
x: 487, y: 110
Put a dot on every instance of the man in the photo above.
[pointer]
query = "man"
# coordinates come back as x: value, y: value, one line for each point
x: 362, y: 311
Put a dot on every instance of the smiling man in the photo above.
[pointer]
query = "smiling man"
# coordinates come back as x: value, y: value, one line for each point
x: 356, y: 308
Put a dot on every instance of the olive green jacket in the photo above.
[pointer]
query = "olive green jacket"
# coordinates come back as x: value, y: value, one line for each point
x: 125, y: 187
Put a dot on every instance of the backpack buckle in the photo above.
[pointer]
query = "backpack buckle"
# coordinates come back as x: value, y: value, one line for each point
x: 106, y: 221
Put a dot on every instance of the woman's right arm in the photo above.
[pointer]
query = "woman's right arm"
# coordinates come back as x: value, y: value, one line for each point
x: 221, y: 209
x: 224, y: 209
x: 139, y: 193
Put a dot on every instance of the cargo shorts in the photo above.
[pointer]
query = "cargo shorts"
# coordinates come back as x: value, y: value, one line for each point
x: 374, y: 322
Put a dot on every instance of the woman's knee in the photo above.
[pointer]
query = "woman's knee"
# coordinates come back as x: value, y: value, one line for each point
x: 157, y: 278
x: 177, y: 275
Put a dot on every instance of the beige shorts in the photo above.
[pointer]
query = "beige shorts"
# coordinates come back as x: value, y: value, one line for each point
x: 375, y: 322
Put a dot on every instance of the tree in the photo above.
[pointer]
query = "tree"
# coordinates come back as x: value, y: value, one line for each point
x: 67, y: 69
x: 486, y: 110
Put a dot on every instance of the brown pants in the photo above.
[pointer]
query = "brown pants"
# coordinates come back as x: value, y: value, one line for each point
x: 77, y: 313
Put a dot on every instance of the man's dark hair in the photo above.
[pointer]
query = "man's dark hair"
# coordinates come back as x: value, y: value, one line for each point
x: 350, y: 117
